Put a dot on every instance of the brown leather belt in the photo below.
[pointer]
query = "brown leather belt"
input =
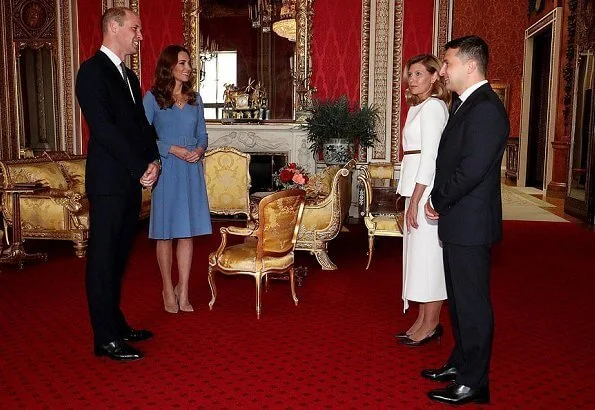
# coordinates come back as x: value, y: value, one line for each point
x: 415, y: 151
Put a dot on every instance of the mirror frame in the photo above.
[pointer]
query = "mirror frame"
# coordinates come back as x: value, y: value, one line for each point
x: 302, y: 87
x: 59, y: 35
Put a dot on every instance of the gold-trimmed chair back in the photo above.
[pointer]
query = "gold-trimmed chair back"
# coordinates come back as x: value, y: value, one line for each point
x: 272, y: 252
x: 227, y: 177
x: 382, y: 214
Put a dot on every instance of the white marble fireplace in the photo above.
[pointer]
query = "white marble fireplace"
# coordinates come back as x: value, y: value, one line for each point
x: 264, y: 138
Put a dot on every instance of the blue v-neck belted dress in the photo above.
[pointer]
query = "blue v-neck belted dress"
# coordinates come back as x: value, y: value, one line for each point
x: 179, y: 204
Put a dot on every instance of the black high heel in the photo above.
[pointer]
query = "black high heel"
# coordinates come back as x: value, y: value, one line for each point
x: 402, y: 335
x: 436, y: 334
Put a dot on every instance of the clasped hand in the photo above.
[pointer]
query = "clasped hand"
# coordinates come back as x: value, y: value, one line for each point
x: 150, y: 176
x: 185, y: 154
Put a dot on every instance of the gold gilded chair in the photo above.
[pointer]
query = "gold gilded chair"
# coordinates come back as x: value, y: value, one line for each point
x: 273, y: 250
x: 227, y: 177
x: 381, y: 212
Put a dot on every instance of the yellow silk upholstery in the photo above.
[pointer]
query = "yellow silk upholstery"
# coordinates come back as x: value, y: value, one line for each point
x: 324, y: 216
x: 272, y: 251
x: 46, y: 173
x: 386, y: 223
x: 61, y: 211
x: 320, y: 184
x: 227, y: 177
x: 75, y: 170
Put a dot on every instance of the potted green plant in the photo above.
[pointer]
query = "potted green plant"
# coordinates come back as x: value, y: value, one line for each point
x: 336, y: 129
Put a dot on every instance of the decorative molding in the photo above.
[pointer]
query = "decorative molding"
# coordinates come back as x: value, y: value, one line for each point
x: 397, y: 81
x: 442, y: 25
x: 568, y: 71
x: 190, y: 17
x: 365, y: 65
x: 380, y: 84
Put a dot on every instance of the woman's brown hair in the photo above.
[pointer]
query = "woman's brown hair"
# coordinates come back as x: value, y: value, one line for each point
x: 432, y: 64
x: 164, y: 81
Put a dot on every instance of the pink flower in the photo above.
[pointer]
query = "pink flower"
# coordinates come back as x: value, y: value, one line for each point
x: 299, y: 179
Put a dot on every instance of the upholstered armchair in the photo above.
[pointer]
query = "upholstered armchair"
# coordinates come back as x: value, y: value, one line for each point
x: 273, y: 250
x: 379, y: 219
x: 227, y: 177
x: 325, y: 212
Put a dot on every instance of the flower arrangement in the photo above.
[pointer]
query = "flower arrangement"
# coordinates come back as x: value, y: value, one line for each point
x: 291, y: 176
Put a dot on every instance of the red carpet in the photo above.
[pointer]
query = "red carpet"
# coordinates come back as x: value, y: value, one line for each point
x: 335, y: 350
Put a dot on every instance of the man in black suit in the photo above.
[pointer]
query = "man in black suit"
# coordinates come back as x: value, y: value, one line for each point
x: 122, y: 156
x: 467, y: 202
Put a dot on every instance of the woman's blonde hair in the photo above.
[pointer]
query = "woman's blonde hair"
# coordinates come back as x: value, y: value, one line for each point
x: 432, y: 64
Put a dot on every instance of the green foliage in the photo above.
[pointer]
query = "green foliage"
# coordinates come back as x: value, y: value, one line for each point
x: 336, y: 119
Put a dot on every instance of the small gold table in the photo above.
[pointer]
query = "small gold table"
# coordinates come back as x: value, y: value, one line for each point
x: 16, y: 254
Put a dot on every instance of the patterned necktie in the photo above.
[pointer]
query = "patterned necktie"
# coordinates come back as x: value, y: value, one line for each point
x: 455, y: 105
x: 125, y: 76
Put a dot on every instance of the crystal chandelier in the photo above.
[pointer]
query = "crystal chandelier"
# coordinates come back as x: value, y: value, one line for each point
x: 207, y: 50
x: 286, y: 26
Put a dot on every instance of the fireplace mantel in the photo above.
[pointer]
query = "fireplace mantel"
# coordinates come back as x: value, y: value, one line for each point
x: 263, y: 138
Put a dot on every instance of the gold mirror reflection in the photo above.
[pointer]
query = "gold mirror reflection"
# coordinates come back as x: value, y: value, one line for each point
x: 253, y: 57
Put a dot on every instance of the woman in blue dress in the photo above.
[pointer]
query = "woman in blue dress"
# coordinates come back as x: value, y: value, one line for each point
x: 179, y: 205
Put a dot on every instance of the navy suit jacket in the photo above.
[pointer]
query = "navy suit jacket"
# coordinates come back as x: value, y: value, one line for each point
x: 122, y: 143
x: 466, y: 190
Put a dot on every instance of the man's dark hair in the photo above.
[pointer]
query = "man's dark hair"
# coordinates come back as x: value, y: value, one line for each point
x: 471, y: 47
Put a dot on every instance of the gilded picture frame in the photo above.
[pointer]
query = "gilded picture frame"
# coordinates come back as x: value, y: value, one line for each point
x: 503, y: 90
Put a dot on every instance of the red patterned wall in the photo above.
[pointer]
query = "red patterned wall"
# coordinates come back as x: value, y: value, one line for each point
x: 336, y: 54
x: 501, y: 23
x: 418, y: 24
x: 89, y: 30
x: 162, y: 26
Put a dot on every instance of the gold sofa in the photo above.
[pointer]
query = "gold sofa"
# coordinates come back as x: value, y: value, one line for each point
x: 60, y: 212
x: 329, y: 194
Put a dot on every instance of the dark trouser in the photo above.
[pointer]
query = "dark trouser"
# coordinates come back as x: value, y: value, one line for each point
x: 113, y: 220
x: 467, y: 270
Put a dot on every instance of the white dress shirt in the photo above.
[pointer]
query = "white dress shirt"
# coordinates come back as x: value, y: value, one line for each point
x: 116, y: 60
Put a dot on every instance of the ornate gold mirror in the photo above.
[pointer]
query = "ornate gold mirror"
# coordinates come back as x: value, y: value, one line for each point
x: 37, y: 99
x: 252, y: 58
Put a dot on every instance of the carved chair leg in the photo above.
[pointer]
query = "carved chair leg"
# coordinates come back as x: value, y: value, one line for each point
x: 324, y: 260
x: 213, y: 287
x: 258, y: 286
x: 292, y: 283
x: 370, y: 249
x: 80, y: 248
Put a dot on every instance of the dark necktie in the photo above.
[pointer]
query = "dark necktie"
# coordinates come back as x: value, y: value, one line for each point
x: 125, y: 76
x: 455, y: 105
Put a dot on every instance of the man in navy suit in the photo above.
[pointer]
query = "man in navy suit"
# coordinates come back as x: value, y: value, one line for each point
x: 466, y: 200
x: 122, y: 157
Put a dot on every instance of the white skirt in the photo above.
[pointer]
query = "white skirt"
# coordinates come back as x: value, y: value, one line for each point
x: 423, y: 266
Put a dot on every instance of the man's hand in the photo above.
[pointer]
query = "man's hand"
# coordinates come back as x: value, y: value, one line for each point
x: 430, y: 212
x: 151, y: 174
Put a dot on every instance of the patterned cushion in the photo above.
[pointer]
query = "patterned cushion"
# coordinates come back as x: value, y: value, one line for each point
x: 46, y: 173
x: 75, y: 172
x: 320, y: 184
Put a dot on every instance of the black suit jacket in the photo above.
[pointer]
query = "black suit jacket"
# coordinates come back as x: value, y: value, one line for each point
x: 122, y: 143
x: 466, y: 190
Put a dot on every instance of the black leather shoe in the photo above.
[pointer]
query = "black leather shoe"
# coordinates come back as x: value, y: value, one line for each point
x: 446, y: 373
x: 118, y: 350
x: 133, y: 335
x: 436, y: 334
x: 461, y: 394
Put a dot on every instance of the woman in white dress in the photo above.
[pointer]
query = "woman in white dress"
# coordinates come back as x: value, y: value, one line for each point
x: 423, y: 269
